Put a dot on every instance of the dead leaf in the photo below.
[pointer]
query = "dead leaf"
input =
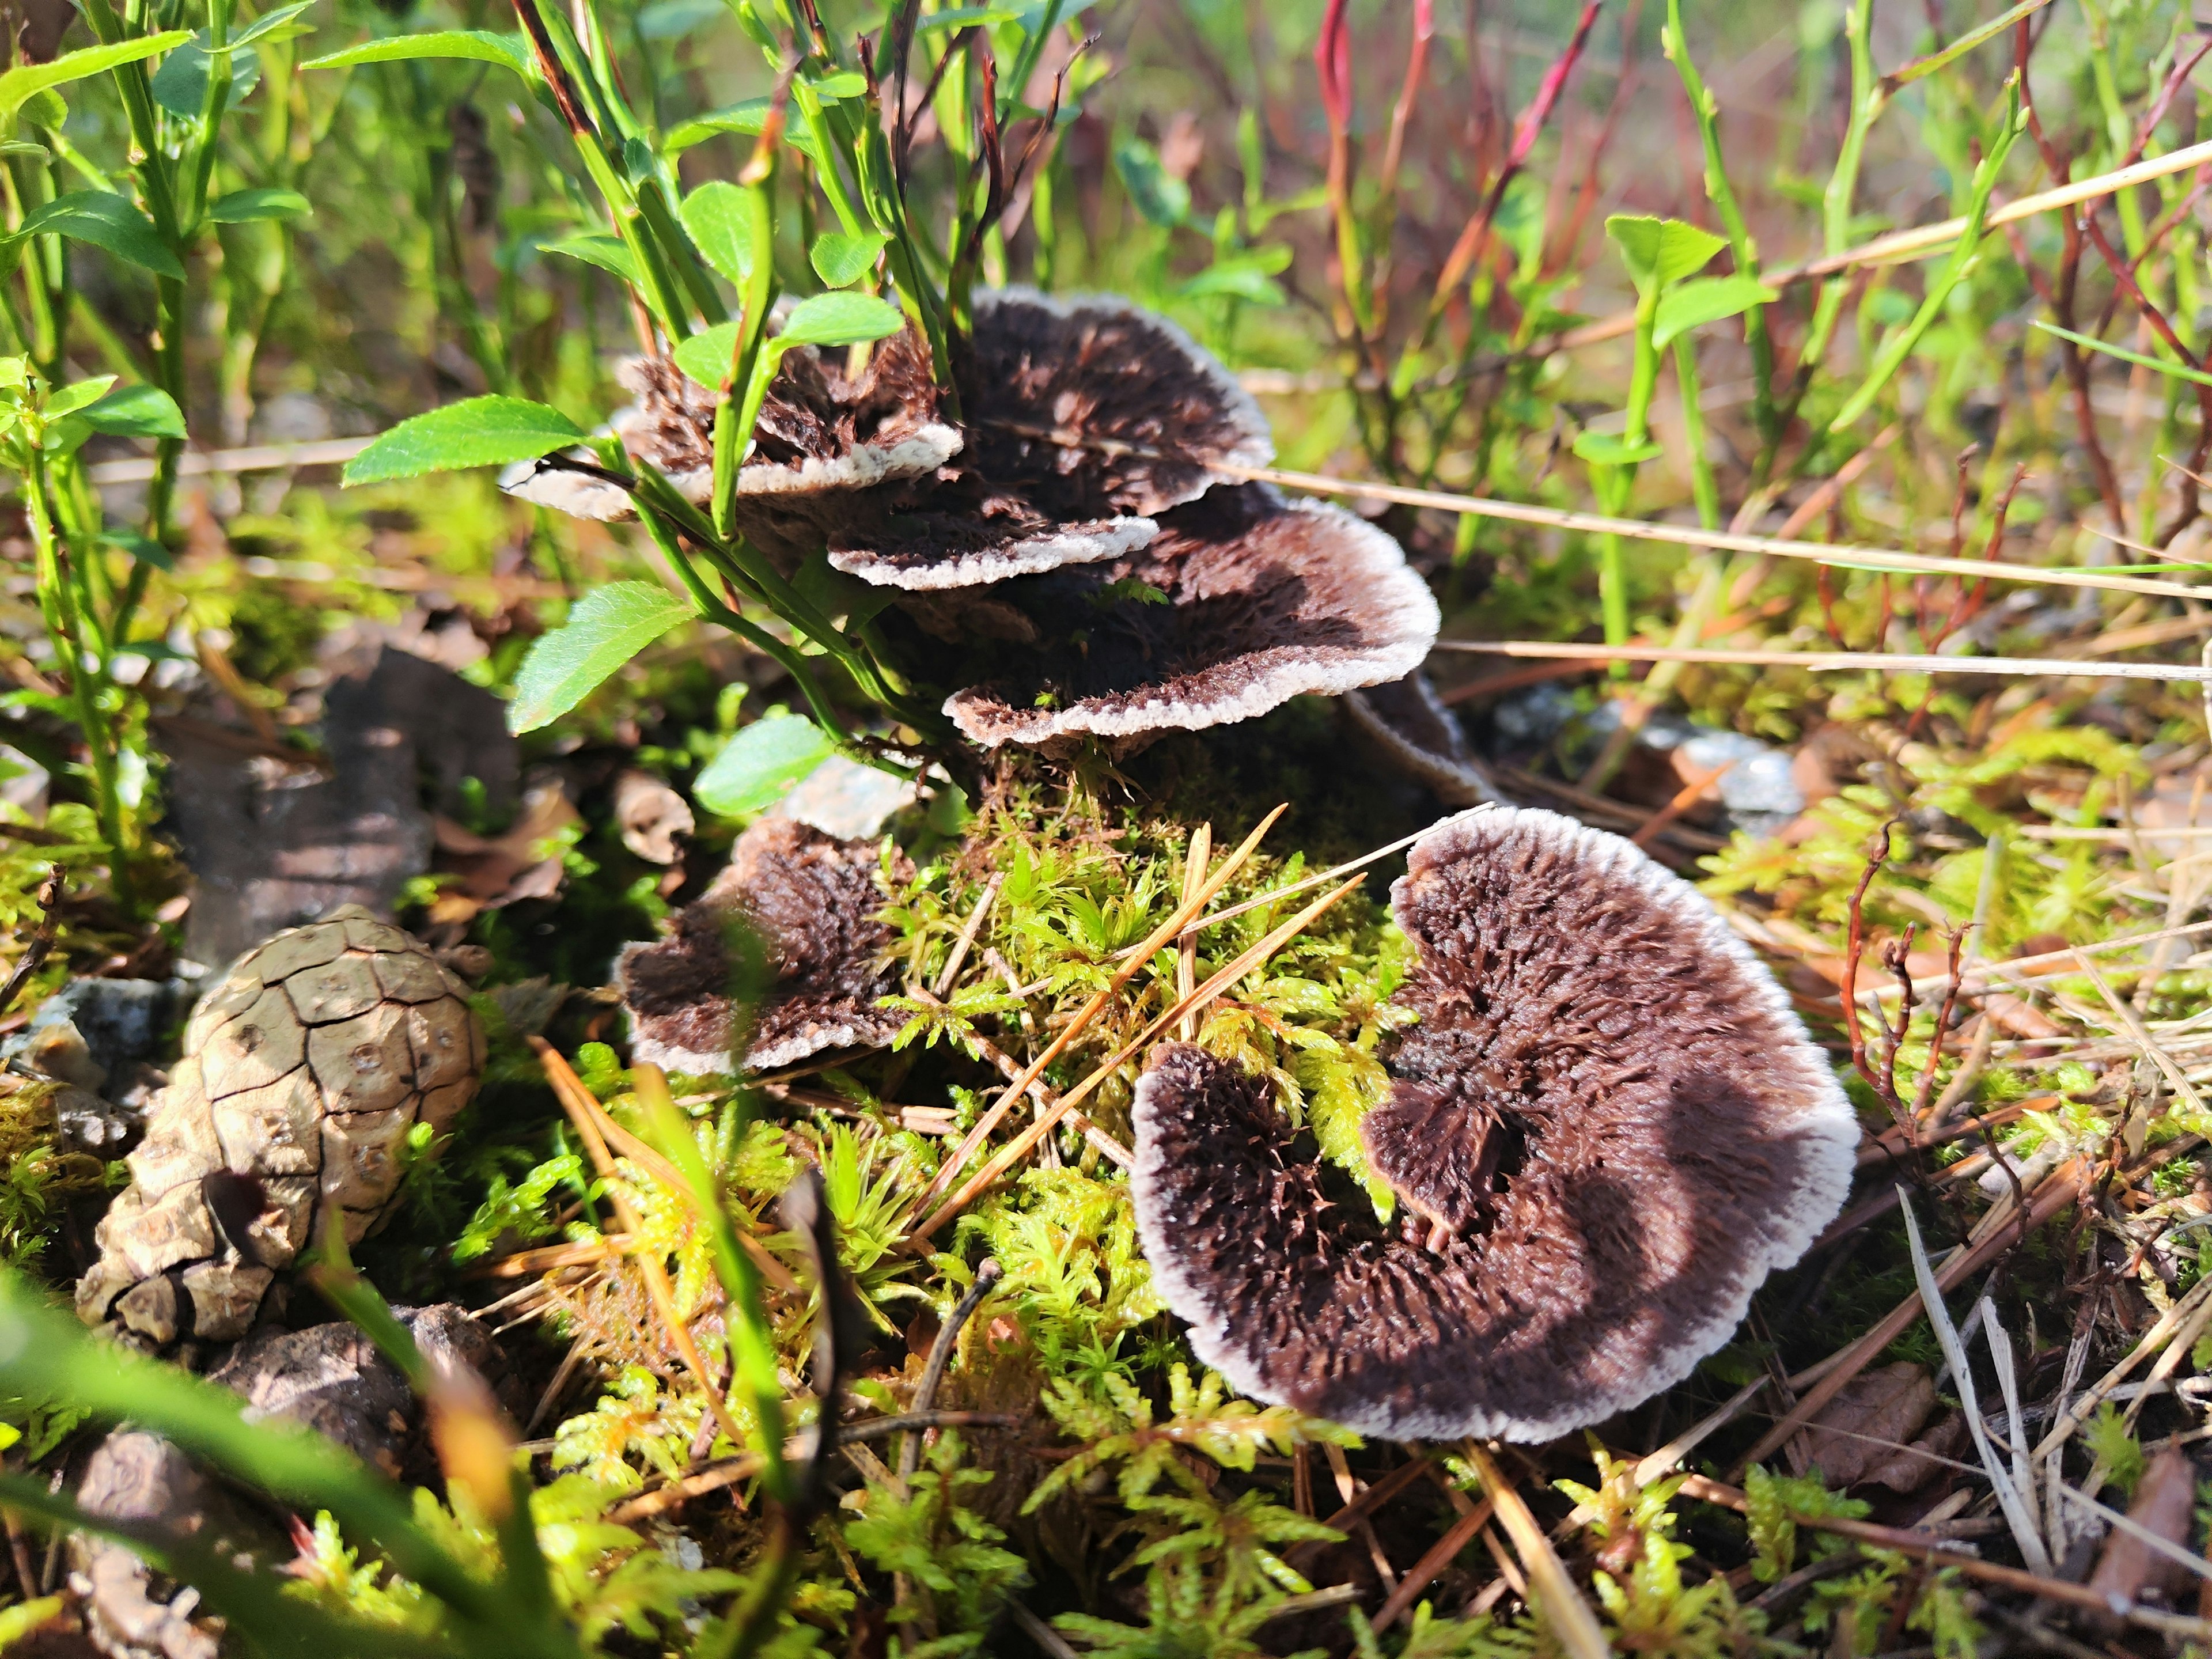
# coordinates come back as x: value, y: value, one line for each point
x: 1862, y: 1437
x: 2164, y: 1501
x: 522, y: 862
x: 651, y: 817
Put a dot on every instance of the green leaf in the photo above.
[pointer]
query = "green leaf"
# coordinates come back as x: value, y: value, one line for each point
x: 705, y: 356
x: 609, y: 626
x: 760, y: 764
x: 477, y: 45
x: 1708, y: 299
x: 598, y: 247
x: 268, y: 23
x: 837, y: 319
x: 105, y: 219
x: 70, y: 398
x: 834, y: 88
x: 18, y: 84
x: 243, y: 206
x: 1247, y: 276
x: 2143, y: 360
x: 840, y: 260
x: 145, y: 549
x: 1658, y: 251
x: 180, y: 86
x: 749, y: 118
x: 475, y: 432
x: 720, y: 216
x: 136, y: 411
x: 1162, y: 198
x: 1611, y: 449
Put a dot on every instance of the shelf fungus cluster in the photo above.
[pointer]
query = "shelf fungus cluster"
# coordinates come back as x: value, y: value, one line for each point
x: 1074, y: 554
x: 791, y: 927
x: 1606, y: 1130
x: 303, y: 1074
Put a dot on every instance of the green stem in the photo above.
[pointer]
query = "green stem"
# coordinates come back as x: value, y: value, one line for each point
x: 1721, y: 194
x: 58, y: 597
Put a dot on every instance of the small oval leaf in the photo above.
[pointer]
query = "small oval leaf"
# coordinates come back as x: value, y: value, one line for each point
x: 720, y: 216
x: 136, y: 411
x: 759, y: 765
x: 108, y: 220
x: 840, y: 260
x: 476, y: 432
x: 705, y: 356
x: 609, y: 626
x: 836, y: 320
x: 479, y: 45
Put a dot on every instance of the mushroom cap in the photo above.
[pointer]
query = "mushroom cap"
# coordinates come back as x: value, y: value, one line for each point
x: 1608, y: 1125
x: 818, y: 430
x: 1154, y: 409
x: 1267, y: 598
x: 1085, y: 415
x: 813, y: 902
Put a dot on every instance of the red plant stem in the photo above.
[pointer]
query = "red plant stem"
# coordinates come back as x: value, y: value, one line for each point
x: 1469, y: 246
x: 2060, y: 296
x: 2191, y: 501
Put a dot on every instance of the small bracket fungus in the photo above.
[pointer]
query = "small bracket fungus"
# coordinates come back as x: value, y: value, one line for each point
x: 1081, y: 537
x: 302, y: 1073
x: 812, y: 902
x: 1606, y: 1129
x: 1244, y: 601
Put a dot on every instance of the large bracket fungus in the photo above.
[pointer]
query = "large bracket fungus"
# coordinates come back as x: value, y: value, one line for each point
x: 1606, y: 1130
x: 1077, y: 557
x: 811, y: 903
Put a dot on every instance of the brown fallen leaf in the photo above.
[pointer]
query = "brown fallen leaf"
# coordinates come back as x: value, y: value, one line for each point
x: 651, y: 816
x: 1862, y: 1437
x: 524, y: 862
x: 2165, y: 1499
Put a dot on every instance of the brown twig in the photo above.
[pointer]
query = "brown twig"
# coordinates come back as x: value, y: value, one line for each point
x: 940, y: 1353
x: 40, y: 945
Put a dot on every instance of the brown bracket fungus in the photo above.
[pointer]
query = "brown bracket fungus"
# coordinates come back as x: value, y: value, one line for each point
x: 302, y: 1074
x: 812, y: 901
x: 1244, y: 601
x: 818, y: 430
x: 1608, y: 1126
x: 1080, y: 543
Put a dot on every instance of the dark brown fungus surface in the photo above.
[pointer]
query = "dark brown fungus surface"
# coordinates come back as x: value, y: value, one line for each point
x: 812, y: 902
x: 1085, y: 417
x: 1244, y: 601
x: 1413, y: 730
x: 1094, y: 407
x: 819, y: 431
x: 1606, y: 1130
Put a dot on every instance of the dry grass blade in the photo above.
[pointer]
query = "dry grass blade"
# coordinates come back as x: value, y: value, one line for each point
x: 1159, y: 936
x: 2153, y: 1340
x: 577, y: 1100
x: 1305, y: 884
x: 1423, y: 1572
x: 1989, y: 1572
x: 1023, y: 1144
x: 1893, y: 662
x: 1724, y: 541
x: 2142, y: 1534
x: 2017, y: 1514
x: 646, y: 1159
x: 1572, y: 1622
x: 2059, y: 1189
